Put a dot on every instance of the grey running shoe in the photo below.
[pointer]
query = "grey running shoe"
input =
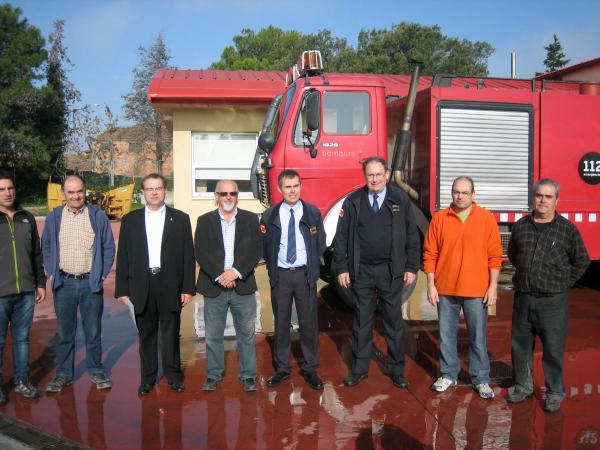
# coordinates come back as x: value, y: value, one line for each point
x: 484, y: 390
x: 26, y: 389
x: 101, y: 380
x: 58, y: 384
x: 442, y: 384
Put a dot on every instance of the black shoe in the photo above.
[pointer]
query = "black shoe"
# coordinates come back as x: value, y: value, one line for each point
x: 354, y: 378
x: 177, y: 386
x: 145, y: 389
x: 551, y: 405
x: 399, y: 381
x: 313, y: 380
x: 210, y: 384
x: 276, y: 379
x: 249, y: 384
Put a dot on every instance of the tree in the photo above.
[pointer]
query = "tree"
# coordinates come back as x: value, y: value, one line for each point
x: 275, y: 49
x: 27, y: 107
x: 378, y: 51
x: 66, y: 116
x: 138, y: 108
x: 555, y: 58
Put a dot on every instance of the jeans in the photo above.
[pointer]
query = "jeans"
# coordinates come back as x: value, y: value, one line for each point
x: 243, y: 311
x: 476, y: 314
x: 67, y: 298
x: 18, y: 311
x: 548, y: 318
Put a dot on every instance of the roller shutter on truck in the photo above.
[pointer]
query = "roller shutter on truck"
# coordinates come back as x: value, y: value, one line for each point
x: 491, y: 143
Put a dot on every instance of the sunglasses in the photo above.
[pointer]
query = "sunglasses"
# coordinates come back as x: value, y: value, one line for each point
x: 225, y: 194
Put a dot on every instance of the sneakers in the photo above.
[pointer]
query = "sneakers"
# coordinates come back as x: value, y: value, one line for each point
x: 517, y: 396
x: 58, y: 384
x: 26, y: 389
x: 442, y: 384
x: 484, y: 390
x: 101, y: 380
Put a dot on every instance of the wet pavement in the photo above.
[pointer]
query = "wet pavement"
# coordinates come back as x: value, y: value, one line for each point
x: 372, y: 415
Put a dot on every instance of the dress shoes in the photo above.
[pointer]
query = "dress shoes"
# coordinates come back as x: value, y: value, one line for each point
x: 354, y: 378
x: 399, y: 381
x: 249, y: 384
x: 210, y: 384
x: 145, y: 389
x: 277, y: 379
x: 177, y: 386
x: 313, y: 380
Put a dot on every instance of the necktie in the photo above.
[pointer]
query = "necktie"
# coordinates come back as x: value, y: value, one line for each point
x: 291, y: 243
x: 375, y: 204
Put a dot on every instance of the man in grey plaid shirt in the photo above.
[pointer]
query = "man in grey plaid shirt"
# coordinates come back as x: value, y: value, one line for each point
x: 549, y: 257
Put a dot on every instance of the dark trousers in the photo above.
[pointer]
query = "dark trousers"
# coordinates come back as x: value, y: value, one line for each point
x: 154, y: 315
x: 546, y: 317
x: 374, y: 281
x: 293, y: 287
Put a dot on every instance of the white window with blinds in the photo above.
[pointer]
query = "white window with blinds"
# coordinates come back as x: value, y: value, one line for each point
x: 217, y: 156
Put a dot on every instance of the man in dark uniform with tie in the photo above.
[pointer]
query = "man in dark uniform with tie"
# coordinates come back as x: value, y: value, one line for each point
x: 376, y: 252
x: 293, y: 241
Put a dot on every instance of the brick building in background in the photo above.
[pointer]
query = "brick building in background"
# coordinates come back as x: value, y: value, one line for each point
x: 132, y: 150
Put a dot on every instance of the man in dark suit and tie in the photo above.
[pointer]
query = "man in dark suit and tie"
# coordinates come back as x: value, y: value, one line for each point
x: 228, y: 248
x: 155, y: 271
x: 294, y: 240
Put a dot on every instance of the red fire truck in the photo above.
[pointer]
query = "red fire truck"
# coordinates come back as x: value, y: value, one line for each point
x: 504, y: 133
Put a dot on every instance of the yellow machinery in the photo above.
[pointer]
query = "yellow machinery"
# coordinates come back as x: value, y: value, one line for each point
x: 115, y: 202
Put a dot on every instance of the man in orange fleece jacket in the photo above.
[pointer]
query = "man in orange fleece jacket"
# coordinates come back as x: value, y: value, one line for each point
x: 462, y: 257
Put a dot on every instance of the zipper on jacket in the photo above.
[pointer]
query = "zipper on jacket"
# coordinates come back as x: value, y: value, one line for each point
x: 11, y: 227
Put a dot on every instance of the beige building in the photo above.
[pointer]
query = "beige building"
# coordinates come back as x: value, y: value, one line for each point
x: 216, y: 117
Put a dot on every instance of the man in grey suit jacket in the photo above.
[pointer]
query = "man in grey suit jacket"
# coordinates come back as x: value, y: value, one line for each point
x: 155, y: 271
x: 228, y: 248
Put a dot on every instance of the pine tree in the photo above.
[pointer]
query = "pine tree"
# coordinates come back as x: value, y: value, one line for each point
x: 555, y: 58
x: 137, y: 107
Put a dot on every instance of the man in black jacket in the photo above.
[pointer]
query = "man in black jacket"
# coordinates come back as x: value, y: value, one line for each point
x: 549, y: 257
x: 293, y: 241
x: 376, y: 252
x: 155, y: 271
x: 22, y: 283
x: 227, y: 247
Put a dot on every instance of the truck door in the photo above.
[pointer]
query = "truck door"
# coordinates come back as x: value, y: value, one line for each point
x: 346, y: 135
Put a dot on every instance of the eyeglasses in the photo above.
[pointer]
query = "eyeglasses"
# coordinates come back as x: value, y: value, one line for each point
x: 154, y: 189
x: 225, y: 194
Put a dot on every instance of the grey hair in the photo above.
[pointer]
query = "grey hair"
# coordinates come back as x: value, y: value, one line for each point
x: 546, y: 182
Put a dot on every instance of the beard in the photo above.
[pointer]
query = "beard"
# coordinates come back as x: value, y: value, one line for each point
x: 228, y: 207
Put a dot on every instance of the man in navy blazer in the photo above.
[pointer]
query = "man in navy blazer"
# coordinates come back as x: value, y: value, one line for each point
x: 155, y: 271
x: 228, y: 248
x: 293, y: 242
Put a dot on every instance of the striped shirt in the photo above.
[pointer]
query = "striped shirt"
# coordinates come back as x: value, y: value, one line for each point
x: 76, y: 241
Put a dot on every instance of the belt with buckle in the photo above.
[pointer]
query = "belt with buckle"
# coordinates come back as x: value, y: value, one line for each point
x: 74, y: 276
x: 154, y: 270
x: 292, y: 268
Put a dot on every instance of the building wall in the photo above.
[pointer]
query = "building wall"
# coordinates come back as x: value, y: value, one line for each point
x: 591, y: 73
x: 207, y: 119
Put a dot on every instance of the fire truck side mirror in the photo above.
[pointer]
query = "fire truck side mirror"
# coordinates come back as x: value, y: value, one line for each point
x: 313, y: 110
x: 266, y: 141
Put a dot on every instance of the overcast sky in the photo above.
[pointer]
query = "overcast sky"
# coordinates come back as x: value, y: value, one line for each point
x: 103, y: 36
